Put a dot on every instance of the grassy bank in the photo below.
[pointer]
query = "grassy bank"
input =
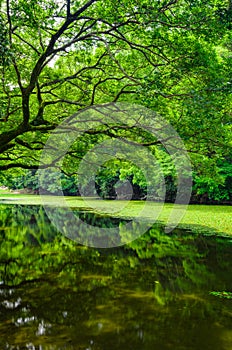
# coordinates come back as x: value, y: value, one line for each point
x: 202, y: 218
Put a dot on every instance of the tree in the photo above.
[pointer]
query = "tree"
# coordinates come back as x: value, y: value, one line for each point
x: 57, y: 58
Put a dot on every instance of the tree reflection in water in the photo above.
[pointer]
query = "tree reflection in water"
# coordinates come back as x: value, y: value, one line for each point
x: 150, y: 294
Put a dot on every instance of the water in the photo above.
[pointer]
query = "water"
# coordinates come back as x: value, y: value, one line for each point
x: 151, y: 294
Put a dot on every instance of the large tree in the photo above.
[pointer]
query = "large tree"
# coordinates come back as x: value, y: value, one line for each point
x: 59, y: 57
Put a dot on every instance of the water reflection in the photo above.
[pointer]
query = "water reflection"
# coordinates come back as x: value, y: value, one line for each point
x: 151, y: 294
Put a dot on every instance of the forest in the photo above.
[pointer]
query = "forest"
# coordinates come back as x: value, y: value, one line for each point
x: 115, y: 174
x: 172, y: 57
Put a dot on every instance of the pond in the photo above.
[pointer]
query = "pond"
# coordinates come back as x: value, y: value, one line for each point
x: 162, y: 291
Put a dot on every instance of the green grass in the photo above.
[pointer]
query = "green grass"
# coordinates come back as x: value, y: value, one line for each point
x: 202, y: 218
x: 3, y: 192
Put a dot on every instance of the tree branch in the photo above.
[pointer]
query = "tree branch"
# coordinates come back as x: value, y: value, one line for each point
x: 68, y: 8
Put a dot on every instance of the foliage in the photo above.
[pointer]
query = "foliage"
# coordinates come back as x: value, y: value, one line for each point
x: 223, y: 295
x: 58, y: 58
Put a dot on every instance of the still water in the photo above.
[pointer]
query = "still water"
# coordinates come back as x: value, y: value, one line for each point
x: 154, y: 293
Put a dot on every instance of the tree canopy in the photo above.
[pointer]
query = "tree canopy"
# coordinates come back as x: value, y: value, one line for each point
x: 60, y: 57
